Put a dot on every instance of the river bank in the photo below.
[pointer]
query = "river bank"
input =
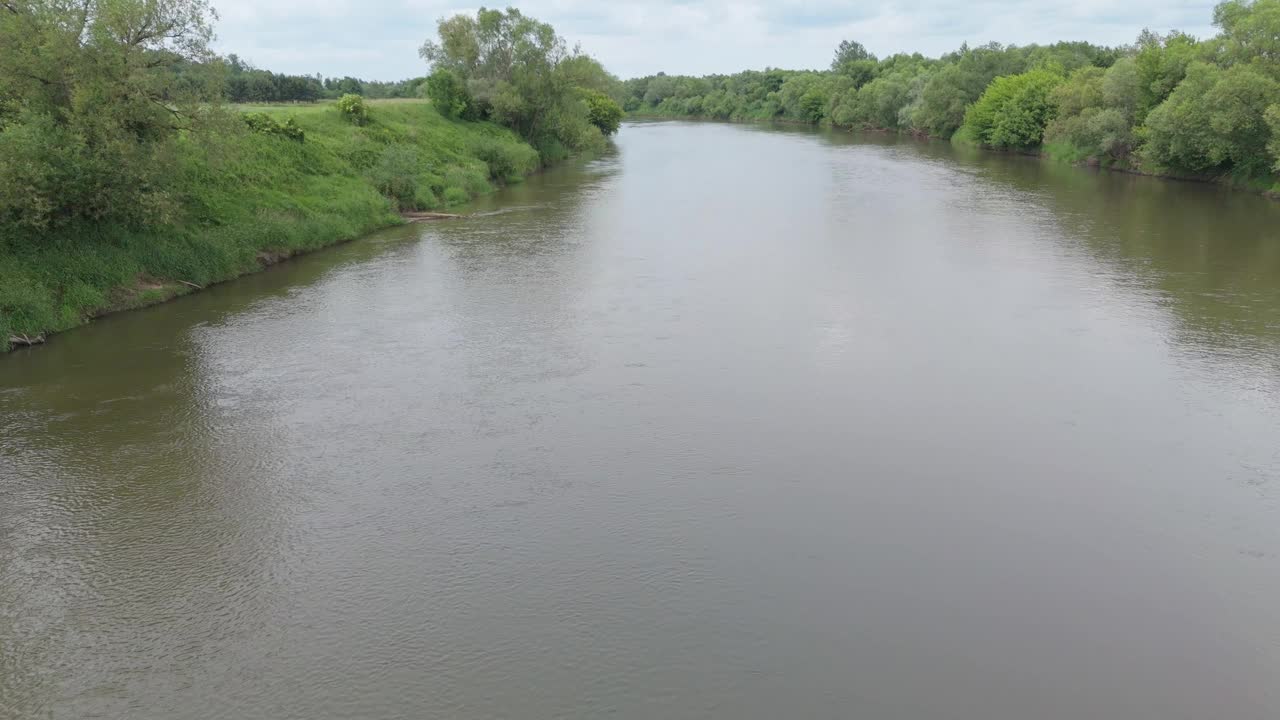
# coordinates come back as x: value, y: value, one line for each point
x: 248, y: 199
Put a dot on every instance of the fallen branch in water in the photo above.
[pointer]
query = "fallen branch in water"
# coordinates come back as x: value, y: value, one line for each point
x: 191, y: 284
x: 420, y: 216
x: 25, y: 340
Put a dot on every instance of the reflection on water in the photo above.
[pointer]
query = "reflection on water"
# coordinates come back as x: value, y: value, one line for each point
x: 730, y: 422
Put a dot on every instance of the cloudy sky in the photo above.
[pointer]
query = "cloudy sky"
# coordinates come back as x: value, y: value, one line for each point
x: 378, y: 39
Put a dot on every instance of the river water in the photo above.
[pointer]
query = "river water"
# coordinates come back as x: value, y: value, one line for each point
x: 729, y: 423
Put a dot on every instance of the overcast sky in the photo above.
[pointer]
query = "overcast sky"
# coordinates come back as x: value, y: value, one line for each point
x: 379, y: 39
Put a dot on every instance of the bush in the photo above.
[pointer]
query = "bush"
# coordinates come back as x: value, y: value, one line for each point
x: 57, y: 173
x: 448, y: 93
x: 507, y: 161
x: 1014, y: 110
x: 471, y: 180
x: 1095, y: 132
x: 454, y: 195
x: 603, y: 111
x: 353, y: 109
x: 1082, y: 90
x: 266, y: 125
x: 1214, y: 122
x: 395, y: 176
x: 292, y: 130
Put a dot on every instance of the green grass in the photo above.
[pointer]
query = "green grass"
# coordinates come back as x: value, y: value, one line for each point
x: 244, y: 199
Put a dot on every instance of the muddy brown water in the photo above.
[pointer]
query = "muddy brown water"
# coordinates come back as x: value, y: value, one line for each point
x: 729, y: 423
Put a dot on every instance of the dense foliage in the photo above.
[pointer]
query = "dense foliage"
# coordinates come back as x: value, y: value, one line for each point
x: 1014, y: 110
x: 449, y: 94
x: 90, y: 108
x: 1168, y: 103
x: 514, y: 70
x: 247, y: 84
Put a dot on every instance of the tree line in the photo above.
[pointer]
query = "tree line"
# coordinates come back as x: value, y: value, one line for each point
x: 1168, y: 103
x: 247, y: 84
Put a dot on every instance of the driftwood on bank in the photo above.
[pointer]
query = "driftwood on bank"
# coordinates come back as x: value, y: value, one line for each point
x: 423, y: 216
x: 25, y: 340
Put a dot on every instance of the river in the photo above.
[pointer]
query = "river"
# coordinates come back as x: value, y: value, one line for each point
x: 732, y: 422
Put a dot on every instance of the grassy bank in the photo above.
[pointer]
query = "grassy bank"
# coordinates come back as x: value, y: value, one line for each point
x: 242, y: 198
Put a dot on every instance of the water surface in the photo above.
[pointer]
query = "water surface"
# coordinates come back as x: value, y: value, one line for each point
x: 729, y: 423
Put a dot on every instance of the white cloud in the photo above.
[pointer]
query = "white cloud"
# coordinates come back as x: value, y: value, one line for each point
x: 379, y: 39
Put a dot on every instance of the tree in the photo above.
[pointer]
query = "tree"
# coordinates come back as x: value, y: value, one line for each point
x: 1120, y: 87
x: 1214, y: 121
x: 943, y: 99
x: 1094, y: 117
x: 1161, y: 63
x: 448, y: 93
x: 521, y: 74
x: 1273, y: 146
x: 604, y: 112
x: 849, y: 51
x: 1081, y: 90
x: 1014, y: 110
x: 1250, y: 32
x: 92, y: 100
x: 344, y: 86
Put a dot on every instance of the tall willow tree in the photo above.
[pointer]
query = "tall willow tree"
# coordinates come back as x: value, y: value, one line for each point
x: 518, y: 72
x: 89, y: 102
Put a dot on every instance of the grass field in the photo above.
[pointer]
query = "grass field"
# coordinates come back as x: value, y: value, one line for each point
x: 244, y: 199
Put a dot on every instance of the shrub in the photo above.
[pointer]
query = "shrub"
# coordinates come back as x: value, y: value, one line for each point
x: 1094, y: 132
x: 1014, y: 109
x: 57, y: 173
x: 292, y: 130
x: 506, y: 160
x: 603, y: 111
x: 266, y: 125
x: 454, y: 195
x: 1214, y: 121
x: 426, y: 199
x: 471, y: 180
x: 448, y: 93
x: 395, y: 176
x: 353, y: 109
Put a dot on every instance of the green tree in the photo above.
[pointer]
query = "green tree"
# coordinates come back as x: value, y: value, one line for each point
x: 1014, y: 110
x: 1214, y: 122
x: 1273, y: 146
x: 90, y: 106
x: 1250, y: 32
x: 886, y: 100
x: 604, y: 112
x: 520, y: 73
x: 1161, y: 63
x: 1120, y: 87
x: 1081, y: 90
x: 448, y: 93
x: 850, y: 51
x: 940, y: 107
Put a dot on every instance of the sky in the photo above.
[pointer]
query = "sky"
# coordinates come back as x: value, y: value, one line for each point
x: 379, y: 39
